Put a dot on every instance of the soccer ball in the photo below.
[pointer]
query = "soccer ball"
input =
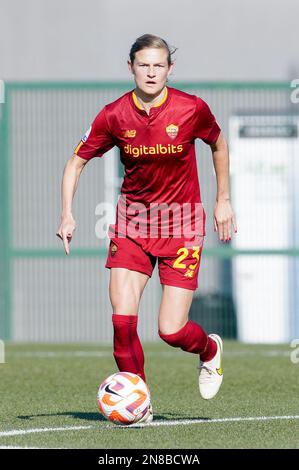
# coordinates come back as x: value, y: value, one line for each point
x: 123, y: 398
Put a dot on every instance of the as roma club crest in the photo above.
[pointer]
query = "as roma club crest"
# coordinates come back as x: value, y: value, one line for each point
x: 172, y: 130
x: 113, y: 249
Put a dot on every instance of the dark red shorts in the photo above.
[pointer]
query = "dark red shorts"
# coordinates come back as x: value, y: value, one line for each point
x: 178, y: 259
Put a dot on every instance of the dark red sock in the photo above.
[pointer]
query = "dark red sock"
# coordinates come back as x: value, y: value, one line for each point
x: 192, y: 338
x: 128, y: 352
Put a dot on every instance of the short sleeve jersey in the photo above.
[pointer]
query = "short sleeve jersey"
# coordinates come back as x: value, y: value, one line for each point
x: 157, y: 150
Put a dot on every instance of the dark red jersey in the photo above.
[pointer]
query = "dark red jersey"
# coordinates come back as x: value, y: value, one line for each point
x: 158, y: 154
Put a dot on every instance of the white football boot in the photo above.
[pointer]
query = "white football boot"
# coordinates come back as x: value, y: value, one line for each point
x: 211, y: 372
x: 148, y: 417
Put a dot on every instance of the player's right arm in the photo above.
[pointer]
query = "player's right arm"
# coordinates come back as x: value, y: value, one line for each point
x: 97, y: 140
x: 70, y: 179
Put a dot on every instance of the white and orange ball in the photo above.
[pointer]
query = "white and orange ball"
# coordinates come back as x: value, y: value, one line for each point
x: 123, y: 398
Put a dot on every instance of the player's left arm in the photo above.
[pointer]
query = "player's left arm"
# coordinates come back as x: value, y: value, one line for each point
x: 224, y: 217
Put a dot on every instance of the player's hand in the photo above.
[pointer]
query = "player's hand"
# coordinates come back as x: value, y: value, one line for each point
x: 224, y: 218
x: 65, y: 231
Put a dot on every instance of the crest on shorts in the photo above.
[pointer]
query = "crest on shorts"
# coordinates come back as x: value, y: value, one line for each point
x: 172, y: 131
x: 113, y: 249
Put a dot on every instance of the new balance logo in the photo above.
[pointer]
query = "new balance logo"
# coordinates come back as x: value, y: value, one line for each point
x: 189, y: 274
x: 129, y: 133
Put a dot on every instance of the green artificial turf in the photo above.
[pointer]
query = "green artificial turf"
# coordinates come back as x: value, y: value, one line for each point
x: 46, y: 386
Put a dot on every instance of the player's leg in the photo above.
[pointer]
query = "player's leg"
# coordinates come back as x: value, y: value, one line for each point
x: 125, y: 290
x: 174, y: 298
x: 179, y: 276
x: 130, y: 268
x: 177, y: 330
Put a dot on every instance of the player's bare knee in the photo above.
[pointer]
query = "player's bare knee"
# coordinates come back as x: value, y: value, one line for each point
x: 124, y: 301
x: 125, y: 290
x: 124, y: 305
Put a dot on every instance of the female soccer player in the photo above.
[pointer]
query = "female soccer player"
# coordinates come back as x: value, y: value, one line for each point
x: 155, y: 127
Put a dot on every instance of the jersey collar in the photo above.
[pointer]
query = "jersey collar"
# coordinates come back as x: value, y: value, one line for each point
x: 155, y: 108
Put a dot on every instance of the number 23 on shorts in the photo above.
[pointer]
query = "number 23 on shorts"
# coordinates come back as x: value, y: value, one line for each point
x: 183, y: 254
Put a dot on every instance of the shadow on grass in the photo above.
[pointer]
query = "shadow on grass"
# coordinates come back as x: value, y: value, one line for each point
x: 73, y: 414
x: 98, y: 417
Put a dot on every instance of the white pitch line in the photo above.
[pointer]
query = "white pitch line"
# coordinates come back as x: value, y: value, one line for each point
x: 18, y: 447
x: 19, y: 432
x: 185, y: 422
x: 209, y: 421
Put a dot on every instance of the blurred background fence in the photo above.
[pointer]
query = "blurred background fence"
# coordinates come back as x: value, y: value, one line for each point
x: 247, y: 290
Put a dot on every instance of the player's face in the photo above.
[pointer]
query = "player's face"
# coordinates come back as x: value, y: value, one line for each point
x: 150, y: 69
